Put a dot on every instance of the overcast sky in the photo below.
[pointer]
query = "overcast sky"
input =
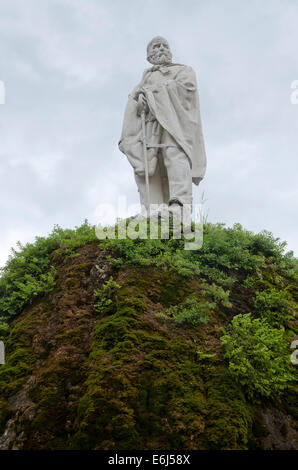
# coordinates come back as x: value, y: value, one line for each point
x: 68, y: 66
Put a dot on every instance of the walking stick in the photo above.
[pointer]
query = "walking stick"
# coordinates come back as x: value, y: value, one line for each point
x: 145, y: 159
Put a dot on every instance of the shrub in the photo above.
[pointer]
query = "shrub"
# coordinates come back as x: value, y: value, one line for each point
x: 70, y: 239
x: 258, y: 356
x: 219, y: 295
x: 229, y: 248
x: 225, y: 252
x: 28, y: 271
x: 274, y: 306
x: 191, y: 311
x: 104, y: 297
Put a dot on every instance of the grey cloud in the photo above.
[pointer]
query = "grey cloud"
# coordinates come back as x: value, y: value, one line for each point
x: 68, y: 66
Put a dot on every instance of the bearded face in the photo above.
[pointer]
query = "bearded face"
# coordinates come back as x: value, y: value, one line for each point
x: 159, y: 52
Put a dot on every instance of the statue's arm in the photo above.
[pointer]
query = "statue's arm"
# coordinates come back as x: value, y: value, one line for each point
x: 139, y: 88
x: 186, y: 77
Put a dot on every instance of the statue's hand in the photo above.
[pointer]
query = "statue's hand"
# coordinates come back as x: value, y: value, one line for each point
x: 142, y: 104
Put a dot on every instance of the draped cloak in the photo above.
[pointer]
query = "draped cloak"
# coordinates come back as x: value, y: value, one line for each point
x: 174, y: 102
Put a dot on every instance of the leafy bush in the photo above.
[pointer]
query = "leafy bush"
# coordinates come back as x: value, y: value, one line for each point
x: 274, y: 306
x: 28, y: 271
x: 24, y: 288
x: 219, y: 295
x: 225, y: 252
x: 191, y: 311
x: 104, y: 297
x: 69, y: 240
x: 161, y: 253
x: 229, y: 248
x: 258, y: 356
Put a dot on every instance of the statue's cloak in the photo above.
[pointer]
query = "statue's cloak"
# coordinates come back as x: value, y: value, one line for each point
x: 174, y: 102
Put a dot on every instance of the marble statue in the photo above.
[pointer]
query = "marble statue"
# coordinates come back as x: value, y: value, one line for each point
x: 2, y: 353
x: 162, y: 132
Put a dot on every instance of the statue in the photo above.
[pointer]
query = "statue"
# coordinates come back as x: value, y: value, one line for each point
x: 2, y: 353
x: 162, y: 132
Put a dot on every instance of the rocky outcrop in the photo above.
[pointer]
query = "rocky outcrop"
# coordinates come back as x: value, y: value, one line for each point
x: 124, y: 377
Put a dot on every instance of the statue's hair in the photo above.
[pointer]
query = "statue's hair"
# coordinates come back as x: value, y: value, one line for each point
x: 157, y: 38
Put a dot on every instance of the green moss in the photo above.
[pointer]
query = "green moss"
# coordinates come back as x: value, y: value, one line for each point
x: 229, y: 419
x: 163, y: 286
x: 73, y: 336
x: 131, y: 297
x: 52, y: 411
x: 79, y: 268
x: 147, y: 385
x: 19, y: 358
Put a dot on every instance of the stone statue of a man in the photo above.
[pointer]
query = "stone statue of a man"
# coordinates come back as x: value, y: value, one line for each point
x: 175, y: 146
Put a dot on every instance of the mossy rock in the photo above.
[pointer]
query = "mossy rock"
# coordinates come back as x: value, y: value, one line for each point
x: 124, y: 378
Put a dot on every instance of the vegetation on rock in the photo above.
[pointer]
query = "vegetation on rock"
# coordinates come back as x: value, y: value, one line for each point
x: 190, y: 311
x: 118, y: 344
x: 258, y: 356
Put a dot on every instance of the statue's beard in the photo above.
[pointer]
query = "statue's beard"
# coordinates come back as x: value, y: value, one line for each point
x: 159, y: 58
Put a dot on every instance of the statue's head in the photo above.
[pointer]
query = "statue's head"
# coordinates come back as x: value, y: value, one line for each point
x: 158, y: 51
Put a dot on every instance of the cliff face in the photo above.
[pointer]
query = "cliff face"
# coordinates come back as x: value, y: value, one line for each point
x: 103, y: 360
